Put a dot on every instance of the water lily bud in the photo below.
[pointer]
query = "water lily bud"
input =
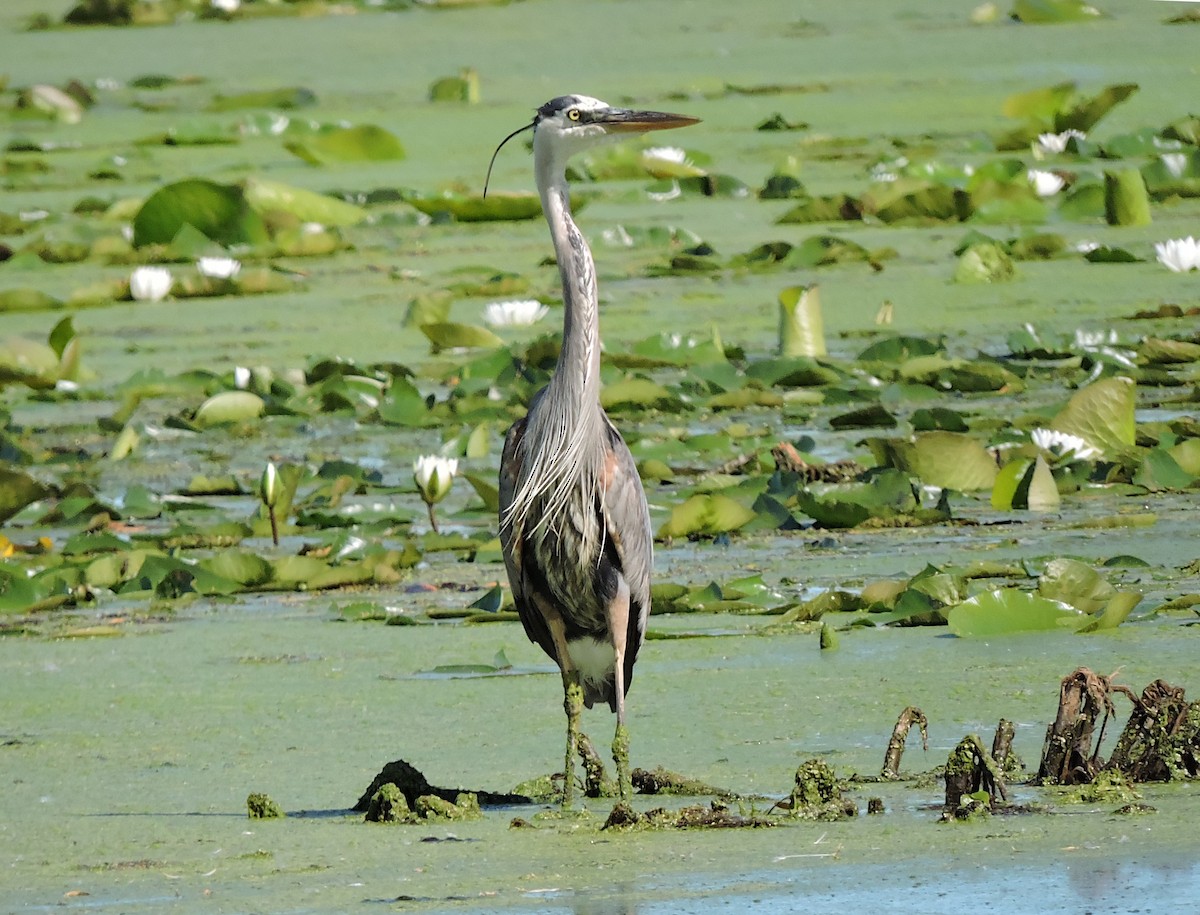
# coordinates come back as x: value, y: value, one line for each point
x: 150, y: 284
x: 434, y: 476
x: 268, y: 486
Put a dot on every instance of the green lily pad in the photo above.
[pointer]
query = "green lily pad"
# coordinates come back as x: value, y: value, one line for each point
x: 17, y: 490
x: 1160, y: 471
x: 1115, y: 612
x: 492, y: 208
x: 708, y: 514
x: 220, y: 211
x: 886, y: 494
x: 362, y: 143
x: 1176, y: 175
x: 450, y: 335
x: 26, y: 299
x: 984, y: 262
x: 286, y: 99
x: 949, y: 460
x: 1126, y: 200
x: 832, y: 208
x: 638, y: 392
x: 871, y: 417
x: 1008, y: 610
x: 228, y: 407
x: 791, y: 372
x: 307, y: 206
x: 1054, y: 11
x: 1102, y: 414
x: 246, y: 569
x: 915, y: 201
x: 1076, y: 583
x: 801, y: 325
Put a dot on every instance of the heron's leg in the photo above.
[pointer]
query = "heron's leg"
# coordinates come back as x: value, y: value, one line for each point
x: 572, y: 694
x: 618, y: 627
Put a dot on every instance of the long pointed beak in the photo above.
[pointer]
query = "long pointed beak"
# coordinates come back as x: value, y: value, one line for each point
x: 626, y: 120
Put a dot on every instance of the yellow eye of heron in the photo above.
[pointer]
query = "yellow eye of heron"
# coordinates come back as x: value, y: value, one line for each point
x: 573, y: 114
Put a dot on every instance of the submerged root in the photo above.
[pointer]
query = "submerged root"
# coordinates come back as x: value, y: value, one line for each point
x: 715, y: 816
x: 1002, y: 752
x: 664, y: 781
x: 1161, y: 740
x: 1068, y: 756
x: 788, y: 459
x: 413, y: 785
x: 974, y: 781
x: 891, y: 759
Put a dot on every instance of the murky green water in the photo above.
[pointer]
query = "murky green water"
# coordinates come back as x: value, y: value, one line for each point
x: 129, y: 760
x: 126, y: 761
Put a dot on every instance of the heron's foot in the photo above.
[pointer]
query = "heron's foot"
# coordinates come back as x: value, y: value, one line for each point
x: 620, y: 749
x: 596, y: 782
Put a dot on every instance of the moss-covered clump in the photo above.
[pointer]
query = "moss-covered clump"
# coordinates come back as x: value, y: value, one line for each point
x: 715, y: 816
x: 464, y: 807
x: 816, y: 794
x: 1109, y: 787
x: 261, y: 807
x: 389, y: 805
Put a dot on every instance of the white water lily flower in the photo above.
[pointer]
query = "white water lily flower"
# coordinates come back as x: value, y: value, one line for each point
x: 1090, y: 339
x: 618, y: 237
x: 434, y: 475
x: 665, y: 154
x: 219, y: 268
x: 1179, y: 254
x: 889, y: 170
x: 226, y: 6
x: 150, y: 284
x: 520, y: 313
x: 1174, y: 163
x: 1045, y: 184
x: 1049, y: 144
x: 1064, y: 443
x: 241, y: 377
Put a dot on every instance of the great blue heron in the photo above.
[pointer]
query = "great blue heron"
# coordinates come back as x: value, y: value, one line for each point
x: 574, y: 524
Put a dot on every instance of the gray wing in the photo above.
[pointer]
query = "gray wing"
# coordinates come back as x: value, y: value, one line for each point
x: 627, y: 524
x: 512, y: 541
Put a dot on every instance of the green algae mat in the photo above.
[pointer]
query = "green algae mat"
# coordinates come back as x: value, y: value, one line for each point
x: 903, y: 338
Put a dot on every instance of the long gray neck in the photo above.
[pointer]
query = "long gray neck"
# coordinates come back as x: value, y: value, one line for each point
x: 578, y: 369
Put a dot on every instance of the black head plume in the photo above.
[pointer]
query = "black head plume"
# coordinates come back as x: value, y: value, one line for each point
x: 532, y: 124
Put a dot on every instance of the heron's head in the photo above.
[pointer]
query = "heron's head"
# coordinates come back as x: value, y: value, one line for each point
x: 575, y: 122
x: 569, y: 124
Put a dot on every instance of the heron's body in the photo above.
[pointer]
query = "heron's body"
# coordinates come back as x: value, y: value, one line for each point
x: 574, y: 524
